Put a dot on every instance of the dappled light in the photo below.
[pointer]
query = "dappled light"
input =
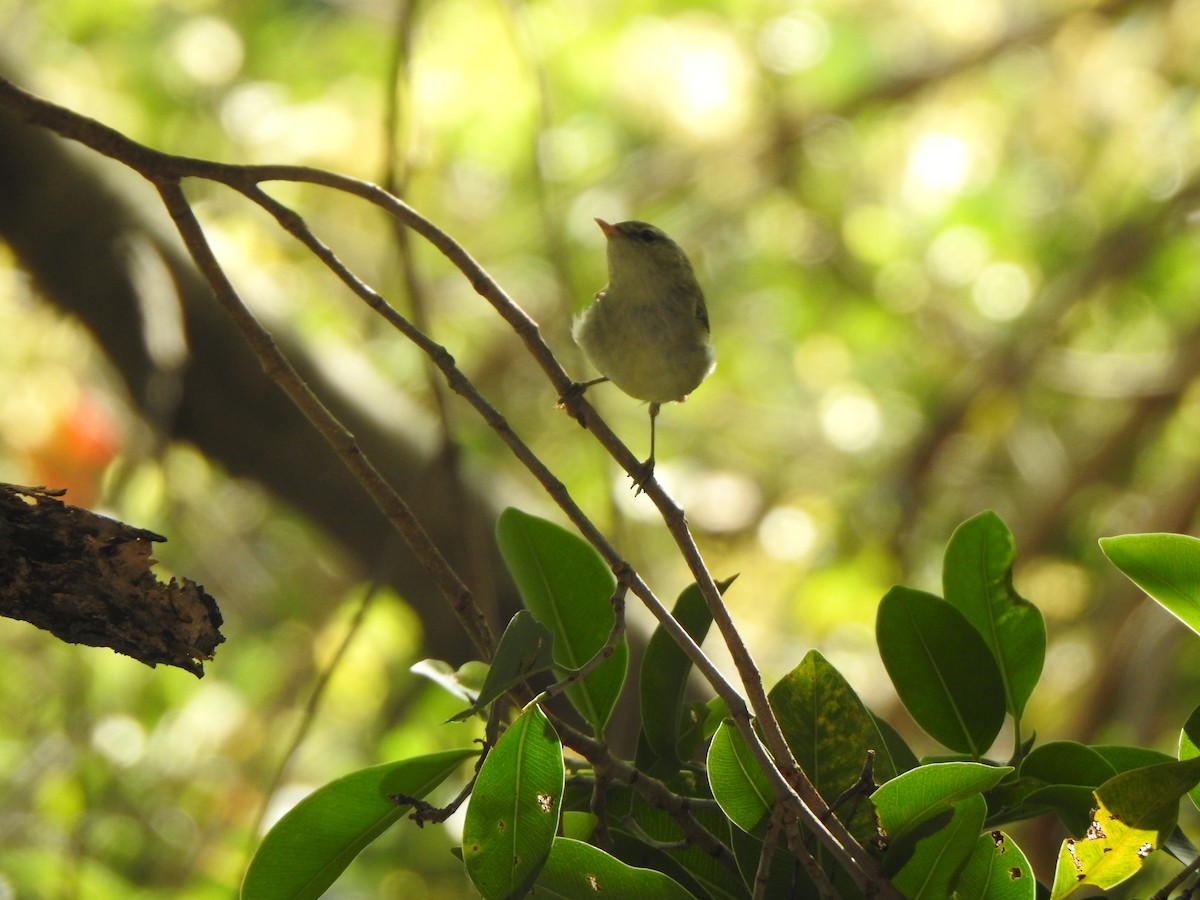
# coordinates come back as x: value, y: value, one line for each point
x: 951, y: 259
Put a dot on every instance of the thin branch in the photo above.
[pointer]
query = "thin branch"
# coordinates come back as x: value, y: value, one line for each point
x: 459, y: 382
x: 602, y: 655
x: 779, y: 763
x: 278, y: 368
x: 762, y: 878
x: 424, y: 811
x: 1180, y: 877
x: 800, y: 850
x: 165, y: 171
x: 599, y: 808
x: 653, y: 791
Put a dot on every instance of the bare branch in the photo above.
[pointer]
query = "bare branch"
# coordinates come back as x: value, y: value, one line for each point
x: 164, y: 170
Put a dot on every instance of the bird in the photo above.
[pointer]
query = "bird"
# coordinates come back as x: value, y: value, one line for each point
x: 647, y: 330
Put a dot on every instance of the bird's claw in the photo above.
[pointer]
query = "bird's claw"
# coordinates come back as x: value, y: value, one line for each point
x: 570, y: 401
x: 573, y: 392
x: 642, y: 475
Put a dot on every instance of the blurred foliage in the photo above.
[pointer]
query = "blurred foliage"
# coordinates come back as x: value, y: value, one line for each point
x: 950, y: 251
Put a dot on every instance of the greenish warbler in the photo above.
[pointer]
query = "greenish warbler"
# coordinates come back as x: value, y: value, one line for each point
x: 647, y: 330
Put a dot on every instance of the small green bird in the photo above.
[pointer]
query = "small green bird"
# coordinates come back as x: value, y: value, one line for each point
x: 647, y: 330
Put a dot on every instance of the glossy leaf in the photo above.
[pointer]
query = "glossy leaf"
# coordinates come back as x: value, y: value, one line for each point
x: 665, y: 672
x: 1067, y: 762
x: 830, y: 732
x: 513, y: 813
x: 1165, y: 566
x: 914, y: 795
x: 1136, y: 812
x: 941, y: 668
x: 738, y: 783
x: 1123, y: 758
x: 996, y: 870
x: 936, y: 850
x: 314, y: 842
x: 579, y: 871
x: 524, y: 650
x: 977, y: 580
x: 567, y: 587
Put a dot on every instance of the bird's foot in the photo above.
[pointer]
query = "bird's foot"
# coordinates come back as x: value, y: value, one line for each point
x: 642, y: 475
x: 572, y: 395
x: 573, y: 392
x: 570, y: 401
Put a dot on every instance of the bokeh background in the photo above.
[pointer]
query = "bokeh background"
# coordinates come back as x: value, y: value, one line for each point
x: 951, y: 259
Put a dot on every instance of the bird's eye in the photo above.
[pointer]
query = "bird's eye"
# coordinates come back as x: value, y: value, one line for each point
x: 648, y: 235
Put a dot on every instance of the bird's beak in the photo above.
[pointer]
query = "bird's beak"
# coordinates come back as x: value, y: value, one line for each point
x: 609, y: 230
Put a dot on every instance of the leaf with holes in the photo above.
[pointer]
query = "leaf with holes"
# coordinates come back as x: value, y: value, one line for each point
x: 1136, y: 812
x: 576, y: 869
x: 996, y: 870
x: 513, y: 813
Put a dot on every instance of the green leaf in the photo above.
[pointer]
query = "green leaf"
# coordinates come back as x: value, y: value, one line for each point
x: 996, y: 870
x: 739, y: 785
x: 1069, y: 772
x: 665, y: 671
x: 1189, y: 746
x: 524, y: 650
x: 513, y: 813
x: 830, y: 731
x: 915, y: 795
x: 1149, y: 797
x: 314, y: 842
x: 941, y: 668
x: 579, y: 871
x: 1165, y: 566
x: 977, y: 580
x: 1123, y: 758
x: 567, y: 587
x: 1067, y: 762
x: 1136, y: 811
x: 934, y: 859
x: 578, y: 824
